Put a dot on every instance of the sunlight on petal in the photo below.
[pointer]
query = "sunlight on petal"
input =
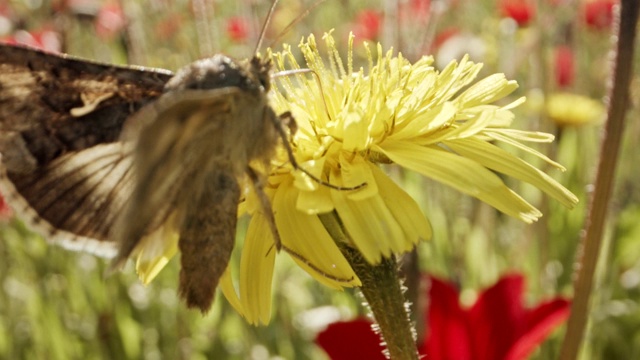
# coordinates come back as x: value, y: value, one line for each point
x: 370, y: 224
x: 462, y: 174
x: 306, y: 235
x: 404, y: 209
x: 256, y: 271
x: 155, y: 251
x: 500, y: 160
x: 229, y: 291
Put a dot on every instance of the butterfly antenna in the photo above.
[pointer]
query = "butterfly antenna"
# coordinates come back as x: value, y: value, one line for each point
x: 265, y: 25
x: 295, y: 21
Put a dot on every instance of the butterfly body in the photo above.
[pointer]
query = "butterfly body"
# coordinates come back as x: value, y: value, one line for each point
x: 191, y: 148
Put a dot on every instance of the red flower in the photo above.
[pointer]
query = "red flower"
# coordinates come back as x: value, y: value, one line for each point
x: 496, y: 327
x: 420, y: 8
x: 44, y: 39
x: 522, y: 11
x: 368, y: 25
x: 5, y: 210
x: 110, y: 21
x: 598, y: 14
x: 564, y: 66
x: 347, y: 340
x: 237, y: 29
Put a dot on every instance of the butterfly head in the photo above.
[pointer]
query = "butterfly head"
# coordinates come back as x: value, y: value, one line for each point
x: 221, y: 71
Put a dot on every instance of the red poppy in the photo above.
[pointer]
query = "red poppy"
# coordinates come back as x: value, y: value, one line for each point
x: 346, y: 340
x: 237, y: 29
x: 420, y: 8
x: 564, y: 66
x: 598, y: 14
x: 368, y: 24
x: 445, y: 35
x: 5, y: 210
x: 522, y: 11
x: 44, y: 39
x: 110, y: 21
x: 496, y: 327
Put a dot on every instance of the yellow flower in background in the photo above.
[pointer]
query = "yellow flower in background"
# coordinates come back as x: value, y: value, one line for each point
x: 567, y: 109
x: 351, y: 120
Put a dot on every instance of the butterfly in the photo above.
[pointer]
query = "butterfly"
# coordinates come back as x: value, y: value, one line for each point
x: 98, y: 157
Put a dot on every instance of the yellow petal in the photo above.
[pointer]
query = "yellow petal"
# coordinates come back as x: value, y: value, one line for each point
x: 315, y: 202
x: 356, y: 131
x: 500, y: 160
x: 306, y: 236
x: 156, y: 250
x: 432, y: 120
x: 370, y: 224
x: 460, y: 173
x: 256, y: 271
x: 404, y: 209
x: 356, y: 172
x: 487, y: 90
x: 506, y: 138
x: 303, y: 181
x: 229, y: 291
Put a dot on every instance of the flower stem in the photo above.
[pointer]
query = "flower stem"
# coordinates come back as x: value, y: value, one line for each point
x: 383, y: 292
x: 610, y: 146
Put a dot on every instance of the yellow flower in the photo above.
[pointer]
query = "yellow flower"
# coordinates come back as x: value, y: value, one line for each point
x: 438, y: 123
x: 396, y: 112
x: 567, y: 109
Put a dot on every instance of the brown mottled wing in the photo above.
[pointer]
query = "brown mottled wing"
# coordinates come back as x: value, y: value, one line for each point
x: 74, y: 200
x: 60, y: 119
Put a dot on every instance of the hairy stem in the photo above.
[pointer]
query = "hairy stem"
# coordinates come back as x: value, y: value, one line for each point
x: 383, y: 292
x: 610, y: 146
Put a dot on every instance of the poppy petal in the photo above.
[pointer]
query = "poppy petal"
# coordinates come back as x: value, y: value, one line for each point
x: 540, y: 322
x: 448, y: 335
x: 348, y: 340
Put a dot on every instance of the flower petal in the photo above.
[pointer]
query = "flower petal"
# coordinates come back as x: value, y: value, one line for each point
x: 463, y: 174
x: 370, y: 224
x: 349, y: 340
x: 426, y: 123
x: 404, y: 209
x: 256, y: 271
x: 540, y: 322
x: 449, y: 331
x: 315, y: 202
x: 229, y: 291
x: 306, y: 236
x: 354, y: 173
x: 498, y: 318
x: 156, y: 250
x: 487, y: 90
x: 500, y: 160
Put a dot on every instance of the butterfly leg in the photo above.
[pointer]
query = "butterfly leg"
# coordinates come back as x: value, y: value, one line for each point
x: 265, y: 205
x: 287, y: 119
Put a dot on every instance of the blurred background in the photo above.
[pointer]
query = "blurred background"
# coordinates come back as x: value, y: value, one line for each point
x: 56, y: 304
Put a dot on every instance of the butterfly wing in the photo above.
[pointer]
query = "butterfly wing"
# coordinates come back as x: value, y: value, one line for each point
x: 183, y: 167
x: 175, y: 140
x: 73, y: 200
x: 63, y: 168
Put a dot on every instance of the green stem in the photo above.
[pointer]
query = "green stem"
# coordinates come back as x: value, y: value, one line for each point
x: 383, y: 292
x: 610, y: 146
